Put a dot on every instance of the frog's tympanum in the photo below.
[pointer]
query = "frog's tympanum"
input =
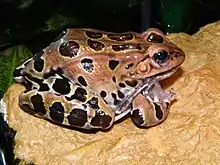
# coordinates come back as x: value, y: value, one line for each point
x: 90, y: 78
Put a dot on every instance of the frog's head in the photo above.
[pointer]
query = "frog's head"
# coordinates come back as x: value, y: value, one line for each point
x: 161, y: 58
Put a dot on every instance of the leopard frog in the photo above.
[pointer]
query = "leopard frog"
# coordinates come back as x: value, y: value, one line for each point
x: 89, y: 78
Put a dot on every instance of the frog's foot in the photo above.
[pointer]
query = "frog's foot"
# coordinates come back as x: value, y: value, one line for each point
x: 151, y: 106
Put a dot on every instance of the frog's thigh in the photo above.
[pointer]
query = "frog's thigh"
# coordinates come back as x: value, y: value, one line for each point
x: 146, y: 113
x: 82, y: 110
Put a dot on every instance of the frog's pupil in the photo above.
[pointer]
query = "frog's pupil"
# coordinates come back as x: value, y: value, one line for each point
x: 161, y: 57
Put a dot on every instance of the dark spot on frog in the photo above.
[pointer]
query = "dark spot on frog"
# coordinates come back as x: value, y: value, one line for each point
x: 57, y: 112
x: 101, y: 119
x: 95, y: 45
x: 38, y: 55
x: 38, y: 104
x: 137, y: 117
x: 60, y: 36
x: 69, y: 49
x: 153, y: 37
x: 121, y: 37
x: 82, y: 81
x: 113, y: 64
x: 39, y: 64
x: 27, y: 108
x: 77, y: 117
x: 103, y: 94
x: 131, y: 83
x: 93, y: 103
x: 116, y: 101
x: 51, y: 73
x: 159, y: 112
x: 87, y: 64
x: 129, y: 66
x: 61, y: 86
x: 114, y: 79
x: 84, y: 106
x: 59, y: 71
x: 167, y: 104
x: 31, y: 78
x: 17, y: 72
x: 43, y: 87
x: 122, y: 85
x: 80, y: 94
x: 126, y: 47
x: 93, y: 35
x: 120, y: 94
x: 28, y: 85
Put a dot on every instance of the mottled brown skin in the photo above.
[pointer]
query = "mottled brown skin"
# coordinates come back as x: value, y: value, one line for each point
x: 89, y: 78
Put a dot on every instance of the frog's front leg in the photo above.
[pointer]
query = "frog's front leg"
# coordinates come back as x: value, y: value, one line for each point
x: 82, y: 109
x: 146, y: 113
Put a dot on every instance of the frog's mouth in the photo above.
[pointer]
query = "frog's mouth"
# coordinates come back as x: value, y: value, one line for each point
x: 166, y: 74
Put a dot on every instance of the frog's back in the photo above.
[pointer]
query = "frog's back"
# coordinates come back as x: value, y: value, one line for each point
x: 90, y: 41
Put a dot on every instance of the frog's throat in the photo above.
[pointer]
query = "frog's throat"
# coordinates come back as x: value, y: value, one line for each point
x: 152, y: 90
x: 146, y: 85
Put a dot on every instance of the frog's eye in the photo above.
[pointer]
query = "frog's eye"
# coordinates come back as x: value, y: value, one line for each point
x: 161, y: 57
x: 155, y: 38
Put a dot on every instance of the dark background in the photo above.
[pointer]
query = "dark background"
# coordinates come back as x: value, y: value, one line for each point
x: 32, y: 21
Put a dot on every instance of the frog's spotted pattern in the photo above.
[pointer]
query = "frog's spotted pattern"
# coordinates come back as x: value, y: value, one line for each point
x: 87, y: 64
x: 131, y: 83
x: 38, y: 104
x: 95, y: 45
x: 93, y: 103
x: 39, y: 64
x: 123, y: 47
x: 90, y: 78
x: 137, y: 117
x: 61, y: 86
x: 113, y: 64
x: 77, y: 117
x: 80, y: 94
x: 93, y: 35
x: 114, y: 79
x: 153, y: 37
x: 121, y: 37
x: 102, y: 120
x: 82, y: 81
x: 159, y: 112
x: 69, y: 49
x: 57, y: 112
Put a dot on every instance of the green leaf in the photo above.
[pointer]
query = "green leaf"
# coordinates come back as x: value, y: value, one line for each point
x: 9, y: 60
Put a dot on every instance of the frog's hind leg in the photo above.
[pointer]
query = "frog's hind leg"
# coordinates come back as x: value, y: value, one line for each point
x: 146, y: 113
x: 81, y: 110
